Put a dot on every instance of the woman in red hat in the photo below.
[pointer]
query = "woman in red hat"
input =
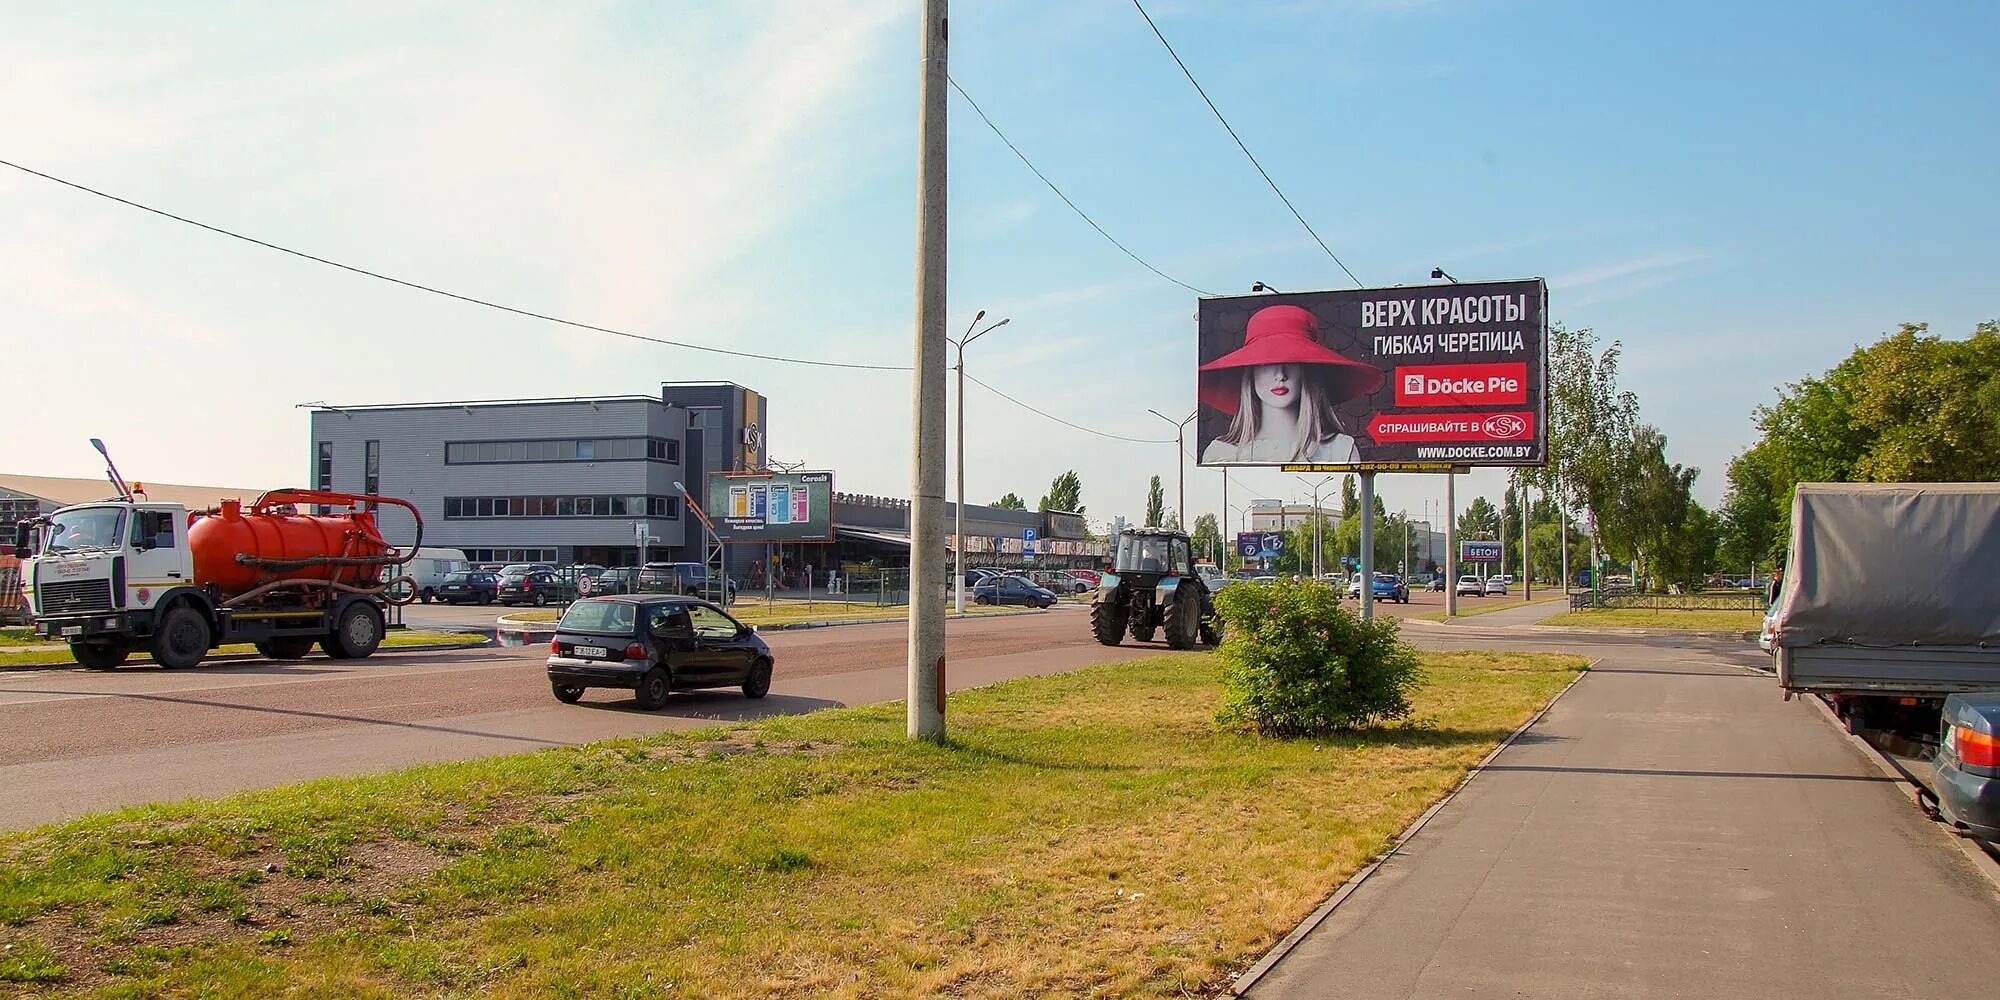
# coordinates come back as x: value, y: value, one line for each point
x: 1281, y: 389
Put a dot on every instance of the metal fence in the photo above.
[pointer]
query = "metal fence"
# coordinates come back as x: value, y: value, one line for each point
x: 1701, y: 600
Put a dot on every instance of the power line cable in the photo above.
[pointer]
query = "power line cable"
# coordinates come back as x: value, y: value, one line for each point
x: 1087, y: 430
x: 1023, y: 157
x: 1239, y: 141
x: 447, y: 294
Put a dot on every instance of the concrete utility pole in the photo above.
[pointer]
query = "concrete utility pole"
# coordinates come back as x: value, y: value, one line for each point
x: 1527, y: 561
x: 1451, y: 544
x: 958, y: 509
x: 1180, y: 463
x: 1367, y: 545
x: 924, y: 707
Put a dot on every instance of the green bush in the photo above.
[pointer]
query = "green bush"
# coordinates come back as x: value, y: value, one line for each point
x: 1295, y: 662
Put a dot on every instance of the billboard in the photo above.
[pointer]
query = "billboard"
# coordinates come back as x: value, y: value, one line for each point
x: 1471, y: 551
x: 1260, y: 544
x: 1420, y: 378
x: 771, y: 506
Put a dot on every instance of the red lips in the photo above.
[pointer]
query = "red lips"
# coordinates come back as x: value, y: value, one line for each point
x: 1279, y: 390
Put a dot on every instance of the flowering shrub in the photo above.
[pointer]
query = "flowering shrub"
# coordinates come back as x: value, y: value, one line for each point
x: 1296, y: 663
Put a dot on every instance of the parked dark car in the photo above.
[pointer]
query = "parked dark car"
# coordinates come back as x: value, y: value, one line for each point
x: 654, y: 646
x: 1012, y: 590
x: 616, y: 580
x: 473, y: 587
x: 539, y: 588
x: 1968, y: 765
x: 689, y: 579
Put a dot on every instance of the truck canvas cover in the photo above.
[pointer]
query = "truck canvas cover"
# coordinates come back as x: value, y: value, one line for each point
x: 1893, y: 564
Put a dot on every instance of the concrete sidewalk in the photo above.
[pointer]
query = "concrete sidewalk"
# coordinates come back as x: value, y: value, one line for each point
x: 1670, y: 829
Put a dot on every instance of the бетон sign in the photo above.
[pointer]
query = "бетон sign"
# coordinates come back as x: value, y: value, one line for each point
x: 1425, y: 377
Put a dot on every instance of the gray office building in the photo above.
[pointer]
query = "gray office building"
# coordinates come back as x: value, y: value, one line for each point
x: 544, y: 480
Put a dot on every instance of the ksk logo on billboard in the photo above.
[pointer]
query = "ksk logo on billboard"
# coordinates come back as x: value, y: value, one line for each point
x: 1513, y: 426
x: 1497, y: 384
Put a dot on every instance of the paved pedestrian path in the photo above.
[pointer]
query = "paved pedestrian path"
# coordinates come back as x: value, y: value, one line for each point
x: 1670, y: 829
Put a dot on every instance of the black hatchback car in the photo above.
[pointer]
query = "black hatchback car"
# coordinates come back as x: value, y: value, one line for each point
x: 537, y: 587
x: 1012, y: 590
x: 654, y: 645
x: 468, y: 588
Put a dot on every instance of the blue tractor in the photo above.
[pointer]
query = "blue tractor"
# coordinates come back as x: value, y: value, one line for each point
x: 1152, y: 587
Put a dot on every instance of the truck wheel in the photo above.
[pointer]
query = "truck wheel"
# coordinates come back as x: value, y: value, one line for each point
x: 286, y: 647
x: 356, y: 633
x: 99, y: 655
x: 181, y: 639
x: 653, y: 689
x: 1107, y: 622
x: 1180, y: 621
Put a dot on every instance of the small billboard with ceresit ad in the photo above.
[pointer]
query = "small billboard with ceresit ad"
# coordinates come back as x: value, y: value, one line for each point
x: 1420, y: 377
x: 772, y: 507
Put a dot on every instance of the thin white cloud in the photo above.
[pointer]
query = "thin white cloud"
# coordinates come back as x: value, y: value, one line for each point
x: 1600, y: 273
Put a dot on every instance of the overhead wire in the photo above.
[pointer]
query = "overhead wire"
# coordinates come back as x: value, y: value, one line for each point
x: 1239, y: 142
x: 419, y: 286
x: 536, y: 315
x: 1080, y: 213
x: 1087, y: 430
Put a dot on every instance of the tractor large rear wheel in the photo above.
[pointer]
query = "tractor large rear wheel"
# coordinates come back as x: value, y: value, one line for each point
x: 1211, y: 626
x: 1107, y: 622
x: 1182, y: 620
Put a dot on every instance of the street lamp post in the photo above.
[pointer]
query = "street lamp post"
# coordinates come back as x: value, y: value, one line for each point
x: 1318, y: 563
x: 958, y: 523
x: 1180, y: 463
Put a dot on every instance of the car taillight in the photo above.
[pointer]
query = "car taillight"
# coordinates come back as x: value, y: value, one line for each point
x: 1975, y: 749
x: 635, y: 652
x: 555, y: 648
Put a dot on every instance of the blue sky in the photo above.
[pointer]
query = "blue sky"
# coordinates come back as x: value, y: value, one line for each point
x: 1740, y: 193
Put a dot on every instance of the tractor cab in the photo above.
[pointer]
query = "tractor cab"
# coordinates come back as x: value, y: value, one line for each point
x: 1154, y: 554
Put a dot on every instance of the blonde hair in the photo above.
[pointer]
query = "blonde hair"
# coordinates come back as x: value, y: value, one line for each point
x: 1318, y: 424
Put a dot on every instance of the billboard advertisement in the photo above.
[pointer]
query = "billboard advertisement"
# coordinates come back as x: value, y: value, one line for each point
x: 1470, y: 551
x: 1419, y: 378
x: 1260, y: 544
x: 771, y: 506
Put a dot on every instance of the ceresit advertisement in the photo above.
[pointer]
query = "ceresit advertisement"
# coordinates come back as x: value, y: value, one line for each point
x: 772, y: 507
x: 1413, y: 378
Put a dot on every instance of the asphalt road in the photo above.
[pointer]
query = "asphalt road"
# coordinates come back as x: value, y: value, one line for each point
x: 74, y: 741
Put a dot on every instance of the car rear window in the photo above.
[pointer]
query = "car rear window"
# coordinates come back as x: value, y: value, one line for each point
x: 598, y: 616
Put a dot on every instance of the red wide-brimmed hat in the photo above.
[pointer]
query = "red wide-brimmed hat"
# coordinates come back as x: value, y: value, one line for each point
x: 1281, y: 335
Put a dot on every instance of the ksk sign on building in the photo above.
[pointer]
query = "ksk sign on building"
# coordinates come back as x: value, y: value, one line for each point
x: 1425, y: 377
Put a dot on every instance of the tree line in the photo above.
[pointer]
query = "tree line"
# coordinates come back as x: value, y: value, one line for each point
x: 1911, y: 407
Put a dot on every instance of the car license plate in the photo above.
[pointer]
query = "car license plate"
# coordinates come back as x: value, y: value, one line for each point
x: 72, y: 630
x: 595, y: 652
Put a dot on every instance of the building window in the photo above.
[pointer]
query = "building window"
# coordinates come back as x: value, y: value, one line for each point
x: 371, y: 471
x: 622, y: 449
x: 610, y: 505
x: 323, y: 472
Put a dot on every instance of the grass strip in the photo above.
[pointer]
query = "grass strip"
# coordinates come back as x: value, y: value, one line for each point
x: 1678, y: 621
x: 1470, y: 607
x: 1085, y: 834
x: 45, y: 657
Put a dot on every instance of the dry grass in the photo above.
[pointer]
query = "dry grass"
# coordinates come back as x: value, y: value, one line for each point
x: 1678, y: 621
x: 1087, y: 834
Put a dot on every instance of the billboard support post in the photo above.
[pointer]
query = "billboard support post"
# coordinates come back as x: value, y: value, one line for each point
x: 1367, y: 545
x: 1527, y: 561
x: 1451, y: 544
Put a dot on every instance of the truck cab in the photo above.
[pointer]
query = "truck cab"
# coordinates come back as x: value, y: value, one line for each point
x: 100, y: 568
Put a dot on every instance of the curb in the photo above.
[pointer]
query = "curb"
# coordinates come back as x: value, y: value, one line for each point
x: 242, y: 657
x: 1907, y: 786
x: 1246, y: 981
